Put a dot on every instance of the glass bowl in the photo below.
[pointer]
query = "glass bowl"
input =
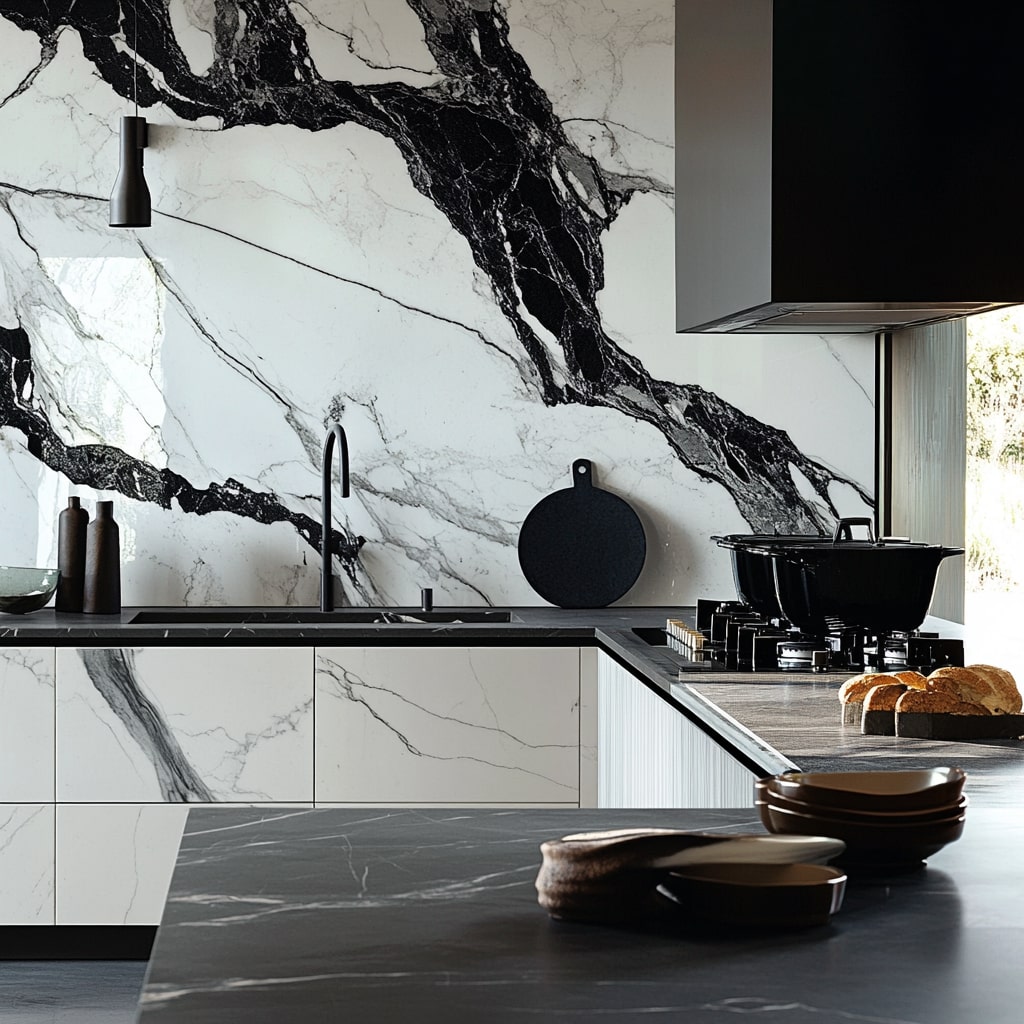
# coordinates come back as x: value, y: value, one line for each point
x: 26, y: 590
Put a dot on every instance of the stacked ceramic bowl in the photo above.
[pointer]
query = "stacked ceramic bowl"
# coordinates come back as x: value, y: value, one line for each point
x: 888, y: 820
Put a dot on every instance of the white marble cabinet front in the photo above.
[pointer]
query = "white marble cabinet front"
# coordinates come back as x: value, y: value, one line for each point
x: 26, y: 864
x: 114, y: 861
x: 26, y: 725
x: 189, y: 724
x: 26, y: 785
x: 486, y: 725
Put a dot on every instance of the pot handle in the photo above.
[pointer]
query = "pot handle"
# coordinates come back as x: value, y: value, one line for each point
x: 844, y: 528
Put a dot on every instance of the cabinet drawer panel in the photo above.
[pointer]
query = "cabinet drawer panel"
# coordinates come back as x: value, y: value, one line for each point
x: 114, y: 863
x: 26, y: 864
x: 195, y: 724
x: 423, y: 725
x: 26, y: 725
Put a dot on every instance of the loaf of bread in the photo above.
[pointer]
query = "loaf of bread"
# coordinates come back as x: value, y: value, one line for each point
x: 912, y: 679
x: 1005, y: 684
x: 884, y: 697
x: 933, y: 702
x: 993, y: 688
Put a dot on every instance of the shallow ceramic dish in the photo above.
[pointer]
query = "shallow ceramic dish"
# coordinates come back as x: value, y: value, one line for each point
x: 915, y: 790
x: 26, y: 590
x: 757, y: 895
x: 763, y: 792
x: 872, y: 828
x: 883, y: 845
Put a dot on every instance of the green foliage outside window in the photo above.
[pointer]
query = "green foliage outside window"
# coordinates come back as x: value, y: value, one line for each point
x: 995, y: 451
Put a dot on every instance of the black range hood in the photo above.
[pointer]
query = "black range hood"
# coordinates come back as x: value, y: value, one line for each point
x: 847, y: 165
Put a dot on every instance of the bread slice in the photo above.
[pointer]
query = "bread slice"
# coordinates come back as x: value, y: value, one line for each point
x: 856, y: 689
x: 884, y: 697
x: 853, y: 692
x: 914, y: 680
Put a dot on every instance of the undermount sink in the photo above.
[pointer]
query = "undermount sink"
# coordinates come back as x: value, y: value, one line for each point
x: 312, y: 616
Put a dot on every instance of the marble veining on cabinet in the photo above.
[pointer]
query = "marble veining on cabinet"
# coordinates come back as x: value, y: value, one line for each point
x: 452, y: 724
x: 185, y: 724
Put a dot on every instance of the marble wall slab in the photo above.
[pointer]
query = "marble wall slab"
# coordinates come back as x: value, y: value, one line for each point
x: 26, y: 724
x: 185, y: 725
x: 427, y: 725
x: 448, y: 226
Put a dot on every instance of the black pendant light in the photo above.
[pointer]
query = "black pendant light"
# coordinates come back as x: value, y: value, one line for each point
x: 129, y: 202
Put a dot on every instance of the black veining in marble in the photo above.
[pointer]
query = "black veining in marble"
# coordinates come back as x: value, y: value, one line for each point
x: 486, y: 148
x: 108, y: 468
x: 112, y: 672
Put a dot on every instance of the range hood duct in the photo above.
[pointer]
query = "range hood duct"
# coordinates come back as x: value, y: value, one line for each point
x: 847, y: 165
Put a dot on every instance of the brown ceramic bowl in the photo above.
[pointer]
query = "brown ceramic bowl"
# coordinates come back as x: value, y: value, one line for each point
x: 763, y: 792
x: 757, y: 895
x: 886, y: 845
x: 916, y: 790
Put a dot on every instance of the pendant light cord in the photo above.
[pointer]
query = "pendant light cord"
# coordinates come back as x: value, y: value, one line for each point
x: 135, y: 64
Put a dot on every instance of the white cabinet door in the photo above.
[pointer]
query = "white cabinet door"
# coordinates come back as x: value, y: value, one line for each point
x: 485, y: 725
x: 195, y: 724
x: 26, y: 725
x: 26, y: 864
x: 114, y: 863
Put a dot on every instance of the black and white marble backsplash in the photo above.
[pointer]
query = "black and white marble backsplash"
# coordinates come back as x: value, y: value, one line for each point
x: 446, y: 225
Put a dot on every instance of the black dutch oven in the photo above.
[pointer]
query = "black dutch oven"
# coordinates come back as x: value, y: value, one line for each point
x: 753, y: 570
x: 822, y: 584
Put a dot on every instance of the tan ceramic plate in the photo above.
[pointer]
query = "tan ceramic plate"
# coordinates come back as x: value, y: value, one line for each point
x: 914, y: 790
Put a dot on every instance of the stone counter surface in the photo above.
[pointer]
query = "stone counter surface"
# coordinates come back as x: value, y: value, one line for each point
x: 431, y: 915
x: 801, y: 716
x: 527, y: 624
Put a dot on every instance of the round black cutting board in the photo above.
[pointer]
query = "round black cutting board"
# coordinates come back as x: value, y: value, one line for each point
x: 582, y: 547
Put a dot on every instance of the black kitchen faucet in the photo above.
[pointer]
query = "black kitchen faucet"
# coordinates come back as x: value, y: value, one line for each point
x: 336, y: 430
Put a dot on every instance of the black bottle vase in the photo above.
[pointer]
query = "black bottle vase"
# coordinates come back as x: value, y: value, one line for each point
x: 103, y: 563
x: 71, y: 540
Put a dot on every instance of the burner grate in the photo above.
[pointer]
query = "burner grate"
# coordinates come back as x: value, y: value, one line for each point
x: 734, y: 635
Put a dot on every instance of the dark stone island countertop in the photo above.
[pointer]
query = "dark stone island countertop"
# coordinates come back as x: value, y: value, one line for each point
x: 771, y: 722
x: 431, y: 915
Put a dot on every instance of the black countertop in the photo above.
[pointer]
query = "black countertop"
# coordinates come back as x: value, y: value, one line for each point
x: 527, y: 623
x: 431, y: 915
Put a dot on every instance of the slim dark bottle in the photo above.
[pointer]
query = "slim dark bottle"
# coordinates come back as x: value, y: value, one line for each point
x: 103, y: 563
x: 71, y: 533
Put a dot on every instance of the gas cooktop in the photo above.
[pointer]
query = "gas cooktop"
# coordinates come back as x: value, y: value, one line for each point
x: 730, y: 636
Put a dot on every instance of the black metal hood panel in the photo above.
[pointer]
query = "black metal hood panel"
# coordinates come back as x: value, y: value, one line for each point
x: 847, y: 166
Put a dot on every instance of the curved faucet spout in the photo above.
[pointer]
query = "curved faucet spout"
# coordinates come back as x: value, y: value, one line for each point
x: 326, y: 576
